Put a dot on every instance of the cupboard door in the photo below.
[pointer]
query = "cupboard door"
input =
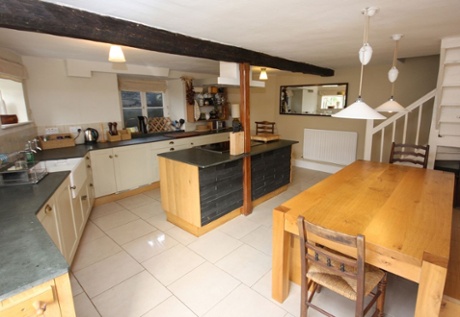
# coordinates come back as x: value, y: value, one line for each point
x: 102, y: 164
x: 66, y: 221
x: 131, y: 166
x: 48, y: 218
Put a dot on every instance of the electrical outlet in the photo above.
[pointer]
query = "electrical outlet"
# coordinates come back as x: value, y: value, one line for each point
x: 74, y: 130
x: 51, y: 130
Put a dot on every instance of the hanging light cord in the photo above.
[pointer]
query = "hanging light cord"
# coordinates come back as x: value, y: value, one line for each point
x: 365, y: 39
x: 395, y: 54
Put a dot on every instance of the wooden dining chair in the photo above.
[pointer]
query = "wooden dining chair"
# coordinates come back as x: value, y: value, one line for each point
x: 348, y: 276
x: 410, y: 153
x: 265, y: 127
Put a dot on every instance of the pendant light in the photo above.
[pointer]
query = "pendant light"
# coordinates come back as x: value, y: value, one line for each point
x: 359, y: 109
x: 263, y: 74
x: 391, y: 105
x: 116, y: 54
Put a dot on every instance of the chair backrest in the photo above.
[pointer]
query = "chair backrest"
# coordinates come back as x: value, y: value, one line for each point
x: 332, y: 260
x: 265, y: 127
x: 410, y: 153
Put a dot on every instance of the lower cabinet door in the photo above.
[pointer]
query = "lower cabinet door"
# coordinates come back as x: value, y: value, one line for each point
x: 48, y: 218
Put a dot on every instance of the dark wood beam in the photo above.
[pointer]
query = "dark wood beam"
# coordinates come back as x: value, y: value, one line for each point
x: 49, y: 18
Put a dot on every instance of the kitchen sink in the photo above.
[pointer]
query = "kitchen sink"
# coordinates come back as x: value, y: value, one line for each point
x: 77, y: 169
x: 30, y: 173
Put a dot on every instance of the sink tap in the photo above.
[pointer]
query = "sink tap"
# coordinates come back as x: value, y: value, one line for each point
x: 36, y: 147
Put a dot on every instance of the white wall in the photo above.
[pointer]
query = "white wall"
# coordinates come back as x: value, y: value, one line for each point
x: 57, y: 99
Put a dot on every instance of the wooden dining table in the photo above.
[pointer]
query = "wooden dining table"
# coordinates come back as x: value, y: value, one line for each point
x: 405, y: 214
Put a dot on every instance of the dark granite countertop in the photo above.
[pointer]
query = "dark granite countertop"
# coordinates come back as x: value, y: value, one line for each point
x: 80, y: 150
x: 28, y: 256
x: 202, y: 158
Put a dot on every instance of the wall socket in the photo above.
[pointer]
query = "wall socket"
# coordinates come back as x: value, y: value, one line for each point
x: 51, y: 130
x: 74, y: 130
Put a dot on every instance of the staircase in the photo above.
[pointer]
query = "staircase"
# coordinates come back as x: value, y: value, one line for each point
x: 440, y: 108
x: 445, y: 128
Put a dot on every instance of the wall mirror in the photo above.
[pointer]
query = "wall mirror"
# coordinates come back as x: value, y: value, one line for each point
x: 321, y: 99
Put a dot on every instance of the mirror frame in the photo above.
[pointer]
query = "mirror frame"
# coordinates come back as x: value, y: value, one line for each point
x: 283, y: 96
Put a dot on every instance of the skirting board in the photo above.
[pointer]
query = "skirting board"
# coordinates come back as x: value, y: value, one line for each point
x: 318, y: 166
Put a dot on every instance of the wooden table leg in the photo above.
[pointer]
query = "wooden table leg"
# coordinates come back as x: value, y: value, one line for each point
x: 430, y: 289
x: 280, y: 262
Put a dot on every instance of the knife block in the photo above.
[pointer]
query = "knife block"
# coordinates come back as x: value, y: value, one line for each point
x: 236, y: 143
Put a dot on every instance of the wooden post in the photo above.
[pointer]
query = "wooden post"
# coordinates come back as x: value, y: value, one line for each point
x: 246, y: 123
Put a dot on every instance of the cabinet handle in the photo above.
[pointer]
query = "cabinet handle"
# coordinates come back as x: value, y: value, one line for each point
x: 48, y: 209
x: 40, y: 307
x: 91, y: 185
x: 87, y: 157
x: 171, y: 149
x: 110, y: 156
x: 171, y: 142
x: 73, y: 187
x: 88, y: 166
x: 116, y: 155
x: 84, y: 197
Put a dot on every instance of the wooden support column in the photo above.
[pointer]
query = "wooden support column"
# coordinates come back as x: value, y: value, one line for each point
x: 246, y: 123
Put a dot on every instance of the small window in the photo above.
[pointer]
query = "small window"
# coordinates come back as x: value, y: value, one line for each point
x: 138, y: 103
x: 13, y: 96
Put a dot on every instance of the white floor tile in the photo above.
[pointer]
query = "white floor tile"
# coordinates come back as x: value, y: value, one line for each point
x: 105, y: 209
x: 244, y: 302
x: 107, y: 273
x: 154, y: 193
x: 91, y: 233
x: 171, y: 307
x: 84, y: 307
x: 214, y: 245
x: 133, y: 297
x: 94, y: 251
x: 203, y: 288
x: 149, y: 210
x: 246, y: 264
x: 135, y: 201
x: 160, y: 222
x: 114, y: 220
x: 181, y: 235
x: 145, y: 247
x: 76, y: 287
x: 261, y: 239
x: 238, y: 227
x: 130, y: 231
x: 172, y: 264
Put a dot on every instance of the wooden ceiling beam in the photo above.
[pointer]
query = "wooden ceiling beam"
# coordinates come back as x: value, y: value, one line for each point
x: 49, y: 18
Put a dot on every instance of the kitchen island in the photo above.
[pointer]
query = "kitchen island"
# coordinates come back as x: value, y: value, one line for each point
x: 202, y: 187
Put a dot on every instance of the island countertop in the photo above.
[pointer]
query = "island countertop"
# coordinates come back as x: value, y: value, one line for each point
x: 202, y: 158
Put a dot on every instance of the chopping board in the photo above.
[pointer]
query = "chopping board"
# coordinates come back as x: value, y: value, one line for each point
x: 182, y: 134
x: 265, y: 137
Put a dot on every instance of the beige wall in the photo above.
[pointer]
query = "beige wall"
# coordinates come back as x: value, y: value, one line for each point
x: 417, y: 77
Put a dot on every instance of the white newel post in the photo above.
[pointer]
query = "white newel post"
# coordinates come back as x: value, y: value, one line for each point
x: 368, y: 140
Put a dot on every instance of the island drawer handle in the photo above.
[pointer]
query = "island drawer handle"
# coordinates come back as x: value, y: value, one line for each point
x: 84, y: 197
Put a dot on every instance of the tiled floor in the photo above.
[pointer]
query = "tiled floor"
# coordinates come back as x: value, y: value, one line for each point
x: 132, y: 262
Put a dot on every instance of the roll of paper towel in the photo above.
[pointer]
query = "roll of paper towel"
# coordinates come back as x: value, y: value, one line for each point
x: 235, y: 110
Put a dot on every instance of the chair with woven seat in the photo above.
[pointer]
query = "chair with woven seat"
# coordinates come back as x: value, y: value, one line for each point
x: 409, y: 153
x: 348, y: 276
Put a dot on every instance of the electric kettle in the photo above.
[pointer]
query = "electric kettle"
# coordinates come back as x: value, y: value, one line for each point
x: 91, y: 136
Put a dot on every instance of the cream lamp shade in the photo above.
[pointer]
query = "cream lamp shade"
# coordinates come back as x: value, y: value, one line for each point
x: 235, y: 110
x: 116, y: 54
x: 263, y: 74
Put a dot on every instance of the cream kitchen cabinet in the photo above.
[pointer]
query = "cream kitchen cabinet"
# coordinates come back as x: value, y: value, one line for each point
x: 119, y: 169
x: 84, y: 199
x: 57, y: 217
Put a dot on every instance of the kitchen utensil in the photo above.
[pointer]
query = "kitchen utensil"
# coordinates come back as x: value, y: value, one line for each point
x: 142, y: 124
x: 115, y: 131
x: 110, y: 128
x: 91, y: 135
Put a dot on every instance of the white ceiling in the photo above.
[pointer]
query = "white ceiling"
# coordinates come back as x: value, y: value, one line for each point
x: 322, y: 33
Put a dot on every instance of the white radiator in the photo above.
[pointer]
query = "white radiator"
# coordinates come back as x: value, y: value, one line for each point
x: 338, y: 147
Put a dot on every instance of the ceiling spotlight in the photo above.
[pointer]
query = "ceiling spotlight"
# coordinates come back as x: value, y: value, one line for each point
x: 116, y: 54
x: 263, y: 74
